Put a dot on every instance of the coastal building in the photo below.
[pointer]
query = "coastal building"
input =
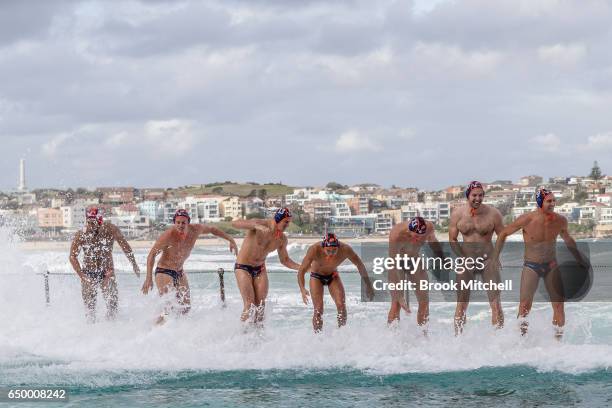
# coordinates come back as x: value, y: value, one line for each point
x: 532, y: 180
x: 126, y: 210
x: 116, y: 195
x: 153, y: 194
x: 49, y: 220
x: 317, y: 209
x: 132, y: 226
x: 395, y: 214
x: 231, y: 207
x: 253, y: 206
x: 605, y: 216
x: 152, y: 209
x: 202, y: 208
x: 168, y: 208
x: 359, y: 205
x: 73, y: 216
x: 567, y: 210
x: 340, y: 209
x: 299, y: 195
x: 353, y: 225
x: 384, y: 223
x: 431, y: 211
x: 26, y: 198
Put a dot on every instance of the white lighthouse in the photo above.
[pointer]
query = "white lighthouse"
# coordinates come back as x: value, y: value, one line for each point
x: 22, y: 180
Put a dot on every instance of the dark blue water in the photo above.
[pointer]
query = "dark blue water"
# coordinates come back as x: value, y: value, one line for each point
x: 516, y: 386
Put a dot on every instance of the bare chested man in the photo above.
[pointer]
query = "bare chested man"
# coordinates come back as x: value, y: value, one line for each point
x: 262, y: 237
x: 540, y: 231
x: 175, y: 245
x: 476, y: 222
x: 407, y: 238
x: 325, y: 257
x: 97, y: 242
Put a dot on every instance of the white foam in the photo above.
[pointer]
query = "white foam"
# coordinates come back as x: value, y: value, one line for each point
x: 54, y: 344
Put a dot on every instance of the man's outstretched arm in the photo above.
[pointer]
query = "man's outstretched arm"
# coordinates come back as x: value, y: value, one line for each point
x: 283, y: 256
x: 159, y: 246
x: 126, y: 248
x: 250, y: 224
x: 510, y: 229
x: 208, y: 229
x: 306, y: 262
x: 75, y: 248
x: 570, y: 243
x: 356, y: 260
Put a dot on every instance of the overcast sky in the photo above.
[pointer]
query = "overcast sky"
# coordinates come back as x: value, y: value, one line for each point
x: 412, y: 93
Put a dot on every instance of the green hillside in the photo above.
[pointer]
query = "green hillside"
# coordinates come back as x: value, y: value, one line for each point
x: 239, y: 189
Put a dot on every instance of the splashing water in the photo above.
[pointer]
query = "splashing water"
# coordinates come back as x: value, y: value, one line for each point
x: 53, y: 345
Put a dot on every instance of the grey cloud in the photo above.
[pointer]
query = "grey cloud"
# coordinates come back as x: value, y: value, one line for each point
x: 270, y: 95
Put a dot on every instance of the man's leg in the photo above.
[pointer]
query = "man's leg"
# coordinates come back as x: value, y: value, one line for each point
x: 336, y: 290
x: 247, y: 291
x: 89, y: 293
x: 164, y: 284
x: 422, y: 298
x: 183, y: 294
x: 554, y: 287
x: 316, y: 295
x: 463, y: 299
x: 111, y: 296
x: 394, y: 312
x: 260, y: 284
x: 396, y: 308
x: 491, y: 274
x: 529, y: 285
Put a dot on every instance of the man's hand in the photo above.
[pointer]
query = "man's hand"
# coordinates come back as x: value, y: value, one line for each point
x: 85, y: 279
x: 148, y: 285
x: 136, y: 270
x: 305, y: 295
x: 369, y: 291
x: 233, y: 247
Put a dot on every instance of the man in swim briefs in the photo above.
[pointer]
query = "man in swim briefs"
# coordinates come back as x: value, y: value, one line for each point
x: 407, y: 238
x: 97, y: 242
x: 262, y: 237
x: 541, y: 228
x: 324, y: 258
x: 175, y: 245
x: 476, y: 222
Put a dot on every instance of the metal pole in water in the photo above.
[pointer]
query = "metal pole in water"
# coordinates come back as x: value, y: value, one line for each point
x: 220, y: 271
x: 47, y: 295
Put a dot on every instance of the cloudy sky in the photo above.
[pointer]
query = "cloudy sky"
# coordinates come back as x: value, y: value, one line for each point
x: 414, y: 93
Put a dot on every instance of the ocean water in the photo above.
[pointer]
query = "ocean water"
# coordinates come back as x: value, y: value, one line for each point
x: 206, y: 358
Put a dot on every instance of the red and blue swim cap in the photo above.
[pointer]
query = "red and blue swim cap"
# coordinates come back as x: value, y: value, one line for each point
x: 541, y: 195
x: 93, y: 213
x: 330, y: 240
x: 473, y: 184
x: 181, y: 213
x: 281, y: 214
x: 418, y: 225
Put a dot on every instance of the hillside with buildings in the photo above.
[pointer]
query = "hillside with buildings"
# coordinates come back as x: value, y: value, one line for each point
x: 141, y: 213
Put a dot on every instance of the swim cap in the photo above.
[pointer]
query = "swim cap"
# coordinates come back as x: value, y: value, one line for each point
x: 181, y: 213
x: 418, y: 225
x: 330, y: 240
x: 473, y: 184
x: 281, y: 214
x: 541, y: 195
x: 94, y: 213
